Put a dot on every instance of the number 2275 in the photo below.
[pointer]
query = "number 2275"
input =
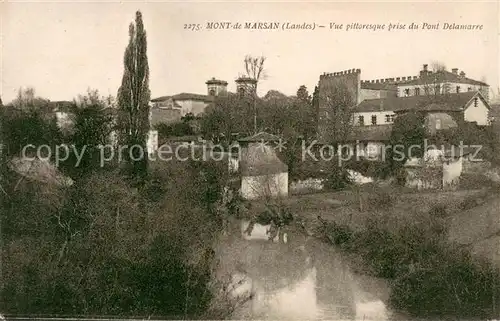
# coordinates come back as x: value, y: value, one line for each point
x: 192, y: 26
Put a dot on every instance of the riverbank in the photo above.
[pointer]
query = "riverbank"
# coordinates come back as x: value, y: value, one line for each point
x: 402, y: 238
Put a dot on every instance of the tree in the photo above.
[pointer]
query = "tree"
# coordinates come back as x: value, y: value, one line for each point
x: 406, y: 140
x: 338, y: 118
x: 254, y: 68
x: 303, y: 94
x: 228, y: 115
x: 93, y: 126
x: 133, y: 100
x: 28, y: 119
x: 438, y: 66
x: 315, y: 105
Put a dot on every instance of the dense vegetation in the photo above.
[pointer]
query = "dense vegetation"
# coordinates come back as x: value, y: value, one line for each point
x: 103, y: 246
x: 428, y: 276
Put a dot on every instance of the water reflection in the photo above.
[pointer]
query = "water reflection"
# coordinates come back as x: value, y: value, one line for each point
x: 303, y: 278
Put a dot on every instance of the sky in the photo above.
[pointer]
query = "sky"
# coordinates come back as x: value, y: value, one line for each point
x: 61, y: 49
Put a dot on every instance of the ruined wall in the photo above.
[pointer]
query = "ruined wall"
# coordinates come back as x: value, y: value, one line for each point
x: 439, y: 121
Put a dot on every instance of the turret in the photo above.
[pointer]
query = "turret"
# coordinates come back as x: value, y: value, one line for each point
x: 216, y: 87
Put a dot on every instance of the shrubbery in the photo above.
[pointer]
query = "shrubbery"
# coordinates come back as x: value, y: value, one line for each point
x: 102, y: 246
x: 428, y: 277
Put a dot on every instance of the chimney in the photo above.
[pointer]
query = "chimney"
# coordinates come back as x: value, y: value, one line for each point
x: 454, y: 71
x: 424, y: 72
x: 462, y: 74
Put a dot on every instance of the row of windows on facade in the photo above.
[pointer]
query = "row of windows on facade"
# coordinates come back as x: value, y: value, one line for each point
x: 389, y: 118
x: 437, y: 89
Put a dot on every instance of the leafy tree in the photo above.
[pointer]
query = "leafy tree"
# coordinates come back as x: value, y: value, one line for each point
x: 336, y: 113
x: 133, y: 99
x: 28, y: 119
x: 174, y: 130
x: 407, y: 137
x: 228, y: 115
x: 93, y: 126
x: 303, y: 94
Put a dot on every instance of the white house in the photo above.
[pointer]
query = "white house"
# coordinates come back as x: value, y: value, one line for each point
x: 442, y: 111
x: 263, y: 174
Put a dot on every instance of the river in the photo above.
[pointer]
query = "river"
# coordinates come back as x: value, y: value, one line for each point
x: 298, y: 277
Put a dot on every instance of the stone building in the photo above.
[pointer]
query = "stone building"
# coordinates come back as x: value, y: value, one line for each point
x: 170, y: 109
x: 263, y: 174
x: 445, y: 97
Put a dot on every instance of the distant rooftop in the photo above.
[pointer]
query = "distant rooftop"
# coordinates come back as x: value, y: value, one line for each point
x: 444, y: 102
x: 214, y: 81
x: 185, y: 96
x: 246, y: 80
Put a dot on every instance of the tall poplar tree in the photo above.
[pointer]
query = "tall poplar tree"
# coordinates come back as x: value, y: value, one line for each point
x: 133, y: 101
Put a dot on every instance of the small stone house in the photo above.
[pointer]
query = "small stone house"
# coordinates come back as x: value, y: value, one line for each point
x: 263, y: 174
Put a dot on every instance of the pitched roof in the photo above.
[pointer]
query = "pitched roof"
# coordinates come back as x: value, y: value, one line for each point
x: 447, y: 102
x: 258, y: 159
x: 377, y: 133
x: 440, y: 77
x: 216, y: 82
x: 185, y: 96
x: 260, y: 137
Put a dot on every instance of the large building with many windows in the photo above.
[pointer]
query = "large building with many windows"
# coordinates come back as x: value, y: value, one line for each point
x: 445, y: 97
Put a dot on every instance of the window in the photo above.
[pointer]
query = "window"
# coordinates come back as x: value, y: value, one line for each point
x: 374, y: 119
x: 417, y: 91
x: 437, y: 89
x: 407, y: 92
x: 458, y: 89
x: 389, y: 118
x: 475, y: 102
x: 469, y: 89
x: 361, y: 120
x: 438, y: 124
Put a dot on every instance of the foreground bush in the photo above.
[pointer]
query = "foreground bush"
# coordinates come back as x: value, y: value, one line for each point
x: 102, y: 247
x: 428, y: 277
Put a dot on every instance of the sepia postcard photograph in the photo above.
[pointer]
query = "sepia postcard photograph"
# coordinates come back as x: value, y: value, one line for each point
x: 249, y: 160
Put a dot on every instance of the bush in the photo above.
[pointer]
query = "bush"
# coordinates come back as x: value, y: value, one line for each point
x: 337, y: 178
x: 459, y: 286
x: 381, y: 199
x: 338, y: 234
x: 428, y: 277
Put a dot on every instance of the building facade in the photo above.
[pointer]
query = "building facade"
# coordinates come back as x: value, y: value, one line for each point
x: 445, y: 97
